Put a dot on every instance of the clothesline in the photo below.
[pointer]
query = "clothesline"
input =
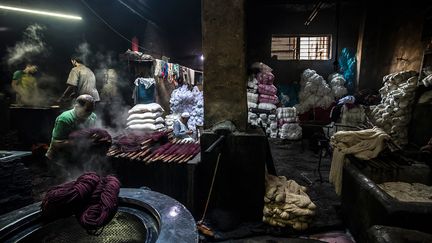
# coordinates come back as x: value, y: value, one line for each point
x: 184, y: 67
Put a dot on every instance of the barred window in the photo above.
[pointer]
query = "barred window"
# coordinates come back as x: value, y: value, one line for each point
x: 301, y: 47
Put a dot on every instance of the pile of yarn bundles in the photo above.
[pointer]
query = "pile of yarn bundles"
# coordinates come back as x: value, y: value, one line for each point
x: 287, y: 204
x: 394, y: 113
x: 337, y: 84
x: 92, y: 198
x: 191, y: 101
x: 146, y: 118
x: 314, y: 92
x: 288, y: 123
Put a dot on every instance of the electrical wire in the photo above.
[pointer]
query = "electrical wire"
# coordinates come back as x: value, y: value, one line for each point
x: 112, y: 28
x: 136, y: 12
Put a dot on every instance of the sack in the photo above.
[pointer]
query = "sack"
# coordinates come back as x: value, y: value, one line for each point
x: 267, y: 89
x: 251, y: 97
x: 265, y: 78
x: 158, y: 120
x: 143, y: 108
x: 147, y: 115
x: 273, y: 99
x: 146, y: 127
x: 252, y: 105
x: 267, y: 106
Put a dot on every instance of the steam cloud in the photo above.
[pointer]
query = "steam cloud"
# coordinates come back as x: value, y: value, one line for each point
x: 31, y: 45
x: 83, y: 52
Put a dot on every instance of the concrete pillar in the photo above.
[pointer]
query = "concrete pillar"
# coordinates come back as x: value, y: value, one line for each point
x: 223, y: 29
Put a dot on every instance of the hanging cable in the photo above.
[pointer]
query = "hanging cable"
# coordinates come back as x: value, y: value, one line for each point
x: 138, y: 14
x: 112, y: 28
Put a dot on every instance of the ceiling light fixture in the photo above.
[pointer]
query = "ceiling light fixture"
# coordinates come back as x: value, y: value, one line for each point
x: 66, y: 16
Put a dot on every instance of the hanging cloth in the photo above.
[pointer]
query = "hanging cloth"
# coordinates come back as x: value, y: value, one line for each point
x: 144, y: 91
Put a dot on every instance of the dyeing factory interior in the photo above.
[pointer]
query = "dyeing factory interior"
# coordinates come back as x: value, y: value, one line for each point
x: 215, y: 121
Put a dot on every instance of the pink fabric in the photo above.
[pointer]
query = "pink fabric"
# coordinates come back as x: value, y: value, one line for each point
x: 285, y: 120
x: 267, y: 89
x: 272, y: 99
x: 265, y: 78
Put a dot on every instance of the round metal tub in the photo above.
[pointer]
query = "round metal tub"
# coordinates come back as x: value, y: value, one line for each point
x: 143, y: 216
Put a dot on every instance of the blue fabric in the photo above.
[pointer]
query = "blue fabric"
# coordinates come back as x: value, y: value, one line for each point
x: 143, y: 95
x: 347, y: 63
x: 291, y: 90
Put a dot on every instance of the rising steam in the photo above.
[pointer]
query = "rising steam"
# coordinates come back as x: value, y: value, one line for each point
x: 31, y: 45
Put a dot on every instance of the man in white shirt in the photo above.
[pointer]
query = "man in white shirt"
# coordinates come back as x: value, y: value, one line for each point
x: 81, y: 81
x: 181, y: 129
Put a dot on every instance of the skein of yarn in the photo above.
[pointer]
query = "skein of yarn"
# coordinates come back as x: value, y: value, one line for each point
x: 102, y: 205
x: 93, y: 200
x: 64, y: 199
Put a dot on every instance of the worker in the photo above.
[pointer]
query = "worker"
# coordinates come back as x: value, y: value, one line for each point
x: 181, y: 129
x: 81, y: 116
x: 81, y: 80
x: 24, y: 85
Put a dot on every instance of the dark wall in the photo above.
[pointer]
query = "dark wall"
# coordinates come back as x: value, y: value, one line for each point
x: 267, y: 19
x: 391, y: 42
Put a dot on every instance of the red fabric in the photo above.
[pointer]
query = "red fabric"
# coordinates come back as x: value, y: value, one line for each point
x: 267, y: 89
x: 272, y: 99
x: 265, y: 78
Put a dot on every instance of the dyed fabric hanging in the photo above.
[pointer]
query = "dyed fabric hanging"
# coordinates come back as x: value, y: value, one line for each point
x: 348, y: 62
x: 144, y: 92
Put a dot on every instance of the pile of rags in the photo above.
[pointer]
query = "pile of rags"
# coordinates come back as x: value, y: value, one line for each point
x: 363, y: 144
x: 146, y: 118
x: 394, y: 113
x: 287, y: 204
x: 314, y: 92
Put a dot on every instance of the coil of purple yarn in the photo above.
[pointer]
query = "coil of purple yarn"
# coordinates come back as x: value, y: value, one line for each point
x: 63, y: 200
x: 93, y: 200
x: 102, y: 205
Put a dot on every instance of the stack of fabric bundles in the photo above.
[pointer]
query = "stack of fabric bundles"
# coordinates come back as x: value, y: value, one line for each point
x: 288, y: 123
x: 267, y: 91
x: 191, y: 101
x: 337, y: 84
x: 287, y: 204
x: 273, y: 126
x: 286, y: 115
x: 314, y: 92
x: 146, y: 118
x: 397, y: 97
